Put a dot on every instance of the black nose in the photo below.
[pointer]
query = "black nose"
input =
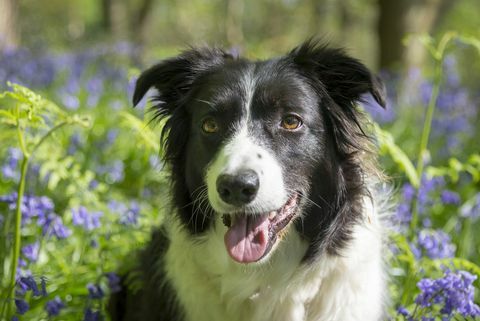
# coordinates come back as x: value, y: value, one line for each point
x: 238, y: 189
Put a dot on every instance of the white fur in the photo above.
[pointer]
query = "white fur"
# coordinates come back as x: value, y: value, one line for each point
x: 242, y: 153
x: 212, y: 287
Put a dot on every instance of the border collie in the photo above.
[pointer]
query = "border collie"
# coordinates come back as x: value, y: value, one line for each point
x: 275, y: 211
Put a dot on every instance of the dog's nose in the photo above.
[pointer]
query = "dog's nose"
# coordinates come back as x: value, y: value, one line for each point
x: 238, y: 189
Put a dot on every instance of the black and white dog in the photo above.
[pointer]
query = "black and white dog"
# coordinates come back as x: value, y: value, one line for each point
x: 274, y: 212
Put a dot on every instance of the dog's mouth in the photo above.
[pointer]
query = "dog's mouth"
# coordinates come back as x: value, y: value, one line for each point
x: 251, y: 237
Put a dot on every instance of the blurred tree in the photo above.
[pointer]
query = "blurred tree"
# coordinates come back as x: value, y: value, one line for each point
x: 125, y: 19
x: 9, y: 31
x: 234, y: 22
x: 399, y: 18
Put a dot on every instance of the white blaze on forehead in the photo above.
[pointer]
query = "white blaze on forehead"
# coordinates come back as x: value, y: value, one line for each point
x: 242, y: 153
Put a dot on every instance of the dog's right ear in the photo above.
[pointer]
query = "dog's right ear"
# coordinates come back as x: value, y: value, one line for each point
x: 173, y: 77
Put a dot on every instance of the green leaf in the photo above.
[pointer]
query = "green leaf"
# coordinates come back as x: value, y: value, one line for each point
x: 148, y: 136
x: 387, y: 145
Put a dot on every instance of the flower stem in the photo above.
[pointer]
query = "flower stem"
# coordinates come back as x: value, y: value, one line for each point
x: 17, y: 235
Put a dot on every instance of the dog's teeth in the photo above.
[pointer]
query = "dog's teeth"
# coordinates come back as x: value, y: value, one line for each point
x: 272, y: 215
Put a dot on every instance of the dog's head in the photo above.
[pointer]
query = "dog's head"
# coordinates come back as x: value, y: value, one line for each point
x: 264, y: 144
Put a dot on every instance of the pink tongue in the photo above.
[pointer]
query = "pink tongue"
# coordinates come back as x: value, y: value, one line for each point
x: 246, y: 240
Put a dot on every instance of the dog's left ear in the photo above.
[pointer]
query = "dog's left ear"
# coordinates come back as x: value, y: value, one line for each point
x: 173, y: 77
x: 345, y: 78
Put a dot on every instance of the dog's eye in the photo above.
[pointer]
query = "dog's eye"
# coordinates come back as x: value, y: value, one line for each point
x: 209, y: 126
x: 291, y: 122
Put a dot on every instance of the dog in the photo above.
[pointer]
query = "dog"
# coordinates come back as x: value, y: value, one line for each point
x: 275, y: 208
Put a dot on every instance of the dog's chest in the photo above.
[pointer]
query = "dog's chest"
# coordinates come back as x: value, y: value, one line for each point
x: 210, y: 286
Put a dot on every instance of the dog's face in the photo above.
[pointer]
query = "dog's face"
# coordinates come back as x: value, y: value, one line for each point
x: 261, y: 144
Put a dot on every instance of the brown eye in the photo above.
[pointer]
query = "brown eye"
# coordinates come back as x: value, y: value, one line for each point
x: 291, y: 122
x: 209, y: 126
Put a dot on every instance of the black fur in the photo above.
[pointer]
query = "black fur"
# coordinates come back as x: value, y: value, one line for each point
x: 322, y: 84
x: 146, y: 295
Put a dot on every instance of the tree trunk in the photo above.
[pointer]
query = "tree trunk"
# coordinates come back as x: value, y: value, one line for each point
x: 114, y: 18
x: 9, y: 28
x: 391, y: 29
x: 399, y: 18
x: 139, y: 20
x: 234, y: 23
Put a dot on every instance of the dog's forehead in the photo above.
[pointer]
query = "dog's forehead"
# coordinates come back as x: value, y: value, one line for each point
x: 248, y: 84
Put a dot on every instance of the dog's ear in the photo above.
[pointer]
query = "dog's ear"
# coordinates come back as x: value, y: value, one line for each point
x: 345, y: 78
x: 173, y: 77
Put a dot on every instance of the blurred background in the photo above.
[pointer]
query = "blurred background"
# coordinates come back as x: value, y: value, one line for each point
x: 373, y: 30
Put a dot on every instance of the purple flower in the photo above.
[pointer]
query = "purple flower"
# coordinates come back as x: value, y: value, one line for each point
x: 454, y: 292
x: 22, y: 306
x: 113, y: 282
x: 10, y: 168
x: 95, y: 291
x: 76, y: 141
x: 403, y: 311
x: 30, y: 251
x: 130, y: 217
x: 127, y: 215
x: 435, y: 244
x: 32, y: 206
x: 449, y: 197
x: 27, y: 283
x: 115, y: 172
x: 91, y: 315
x: 54, y: 306
x: 52, y: 225
x: 88, y: 220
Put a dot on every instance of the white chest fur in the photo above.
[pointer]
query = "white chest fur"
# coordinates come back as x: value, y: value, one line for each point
x: 211, y: 287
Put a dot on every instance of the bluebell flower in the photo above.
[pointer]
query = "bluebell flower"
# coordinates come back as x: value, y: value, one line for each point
x: 22, y: 306
x: 88, y: 220
x: 70, y: 101
x: 95, y: 89
x: 76, y: 141
x: 111, y: 136
x: 454, y: 293
x: 93, y: 184
x: 115, y: 172
x: 95, y: 291
x: 403, y: 311
x: 91, y: 315
x: 31, y: 207
x: 408, y: 192
x: 10, y: 169
x: 127, y: 215
x: 30, y: 251
x: 27, y: 283
x: 450, y: 197
x: 435, y: 244
x: 114, y: 282
x: 53, y: 307
x: 130, y: 217
x: 52, y: 225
